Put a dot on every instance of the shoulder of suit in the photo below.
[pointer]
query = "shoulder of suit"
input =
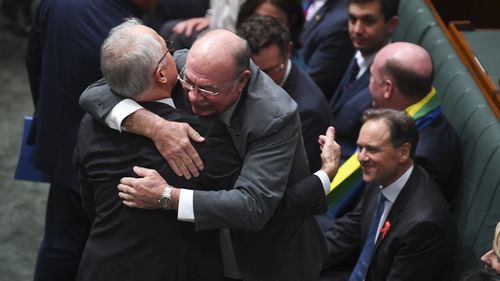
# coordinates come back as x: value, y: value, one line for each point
x: 267, y: 97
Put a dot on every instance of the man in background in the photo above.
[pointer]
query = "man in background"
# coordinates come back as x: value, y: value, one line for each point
x: 401, y: 79
x: 269, y: 40
x: 370, y: 25
x: 402, y: 229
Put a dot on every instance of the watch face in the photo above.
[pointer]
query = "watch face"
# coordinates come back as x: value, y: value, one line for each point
x: 166, y: 203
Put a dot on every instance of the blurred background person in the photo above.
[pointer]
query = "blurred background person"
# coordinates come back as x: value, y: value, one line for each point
x: 269, y: 41
x: 62, y: 58
x: 326, y: 46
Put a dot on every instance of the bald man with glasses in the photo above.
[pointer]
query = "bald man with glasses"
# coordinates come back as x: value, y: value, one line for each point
x: 267, y: 215
x: 133, y: 244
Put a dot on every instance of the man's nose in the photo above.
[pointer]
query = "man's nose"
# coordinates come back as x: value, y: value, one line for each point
x: 358, y: 27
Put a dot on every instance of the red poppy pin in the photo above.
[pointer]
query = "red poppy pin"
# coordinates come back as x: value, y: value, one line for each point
x: 385, y: 228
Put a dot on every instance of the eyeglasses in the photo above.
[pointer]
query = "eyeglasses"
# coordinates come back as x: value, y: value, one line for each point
x: 170, y: 49
x: 274, y: 70
x: 189, y: 87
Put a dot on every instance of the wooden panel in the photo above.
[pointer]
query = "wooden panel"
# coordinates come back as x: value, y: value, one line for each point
x: 468, y: 56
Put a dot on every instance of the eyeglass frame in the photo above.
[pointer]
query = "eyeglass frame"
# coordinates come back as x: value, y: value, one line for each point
x: 204, y: 92
x: 274, y: 69
x: 170, y: 49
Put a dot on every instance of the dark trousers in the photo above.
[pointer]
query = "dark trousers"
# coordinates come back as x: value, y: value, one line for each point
x: 66, y: 231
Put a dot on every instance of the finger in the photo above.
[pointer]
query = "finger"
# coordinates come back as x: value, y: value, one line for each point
x: 179, y: 27
x: 123, y: 195
x: 173, y: 165
x: 188, y: 30
x: 184, y: 170
x: 128, y: 181
x: 330, y: 133
x: 130, y: 204
x: 190, y: 165
x: 143, y: 172
x: 194, y: 135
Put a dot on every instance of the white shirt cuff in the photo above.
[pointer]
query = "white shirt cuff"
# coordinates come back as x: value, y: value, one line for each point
x: 325, y: 180
x: 185, y: 211
x: 123, y: 109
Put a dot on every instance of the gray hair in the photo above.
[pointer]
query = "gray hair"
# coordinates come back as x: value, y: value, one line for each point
x: 128, y: 59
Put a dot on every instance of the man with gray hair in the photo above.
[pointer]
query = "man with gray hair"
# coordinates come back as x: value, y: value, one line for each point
x: 266, y: 224
x: 133, y: 244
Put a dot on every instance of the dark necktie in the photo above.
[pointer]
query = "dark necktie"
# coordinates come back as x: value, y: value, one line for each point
x: 359, y: 272
x: 352, y: 76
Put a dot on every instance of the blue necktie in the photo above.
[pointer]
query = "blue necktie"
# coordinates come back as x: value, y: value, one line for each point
x: 359, y: 272
x: 352, y: 76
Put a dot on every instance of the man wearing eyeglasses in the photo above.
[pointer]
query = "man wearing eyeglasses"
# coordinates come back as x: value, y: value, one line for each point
x: 60, y: 64
x: 124, y: 242
x: 269, y: 40
x: 269, y: 238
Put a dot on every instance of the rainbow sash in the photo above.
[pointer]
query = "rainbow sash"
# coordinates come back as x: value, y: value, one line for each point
x: 348, y: 182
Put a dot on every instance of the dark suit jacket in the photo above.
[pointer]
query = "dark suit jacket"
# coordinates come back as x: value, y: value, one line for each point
x: 62, y: 59
x: 326, y: 46
x: 285, y: 240
x: 419, y: 244
x: 346, y: 109
x: 134, y: 244
x: 438, y: 152
x: 313, y: 111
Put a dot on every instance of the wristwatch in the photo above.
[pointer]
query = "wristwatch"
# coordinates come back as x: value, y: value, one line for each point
x: 166, y: 198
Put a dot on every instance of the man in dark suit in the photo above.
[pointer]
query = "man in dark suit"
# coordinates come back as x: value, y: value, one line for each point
x: 402, y: 228
x: 264, y: 125
x: 269, y: 40
x: 62, y: 59
x: 371, y: 23
x: 402, y: 76
x: 326, y: 47
x: 131, y: 244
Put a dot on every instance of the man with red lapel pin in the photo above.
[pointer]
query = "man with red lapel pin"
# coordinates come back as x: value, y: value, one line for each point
x: 402, y: 228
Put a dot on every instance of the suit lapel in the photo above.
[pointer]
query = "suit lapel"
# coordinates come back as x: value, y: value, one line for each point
x: 341, y: 97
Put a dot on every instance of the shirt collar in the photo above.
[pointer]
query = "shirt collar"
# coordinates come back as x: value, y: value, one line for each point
x: 226, y: 115
x: 364, y: 62
x: 287, y: 72
x: 168, y: 101
x: 392, y: 191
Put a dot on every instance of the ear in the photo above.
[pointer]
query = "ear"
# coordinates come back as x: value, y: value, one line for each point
x: 160, y: 75
x: 392, y: 24
x: 405, y: 150
x: 388, y: 89
x: 245, y: 77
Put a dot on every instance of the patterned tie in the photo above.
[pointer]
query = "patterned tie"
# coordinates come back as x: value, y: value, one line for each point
x: 359, y: 272
x: 352, y: 76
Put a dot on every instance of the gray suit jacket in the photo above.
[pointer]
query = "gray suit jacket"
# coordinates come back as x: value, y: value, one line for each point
x: 270, y: 243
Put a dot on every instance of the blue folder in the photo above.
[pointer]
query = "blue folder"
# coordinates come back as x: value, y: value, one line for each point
x: 25, y: 169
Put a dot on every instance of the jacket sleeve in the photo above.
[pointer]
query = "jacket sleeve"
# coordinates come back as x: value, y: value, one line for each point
x: 98, y: 100
x: 258, y: 191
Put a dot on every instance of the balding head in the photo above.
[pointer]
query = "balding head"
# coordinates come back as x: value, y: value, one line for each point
x: 222, y: 50
x: 408, y: 66
x: 218, y: 62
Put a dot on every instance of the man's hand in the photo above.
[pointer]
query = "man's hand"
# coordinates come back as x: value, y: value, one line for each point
x: 330, y: 153
x: 187, y: 27
x: 172, y: 140
x: 142, y: 192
